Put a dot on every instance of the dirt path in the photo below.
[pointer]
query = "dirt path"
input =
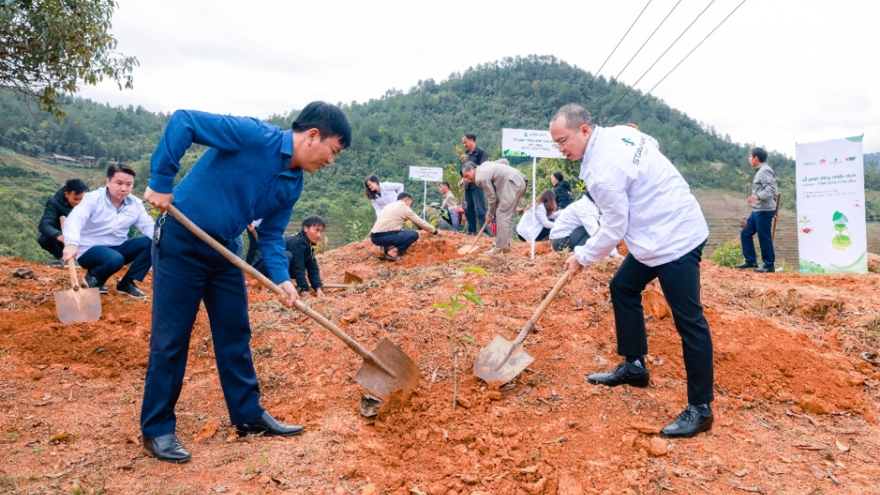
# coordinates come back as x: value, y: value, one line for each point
x: 796, y: 406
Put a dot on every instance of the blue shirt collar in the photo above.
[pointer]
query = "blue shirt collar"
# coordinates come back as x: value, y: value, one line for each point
x: 287, y: 142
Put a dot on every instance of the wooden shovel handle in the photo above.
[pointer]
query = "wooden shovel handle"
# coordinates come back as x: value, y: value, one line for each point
x: 74, y: 281
x: 478, y: 235
x: 235, y: 260
x: 543, y: 307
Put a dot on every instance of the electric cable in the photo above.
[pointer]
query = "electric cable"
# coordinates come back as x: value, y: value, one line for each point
x: 623, y: 38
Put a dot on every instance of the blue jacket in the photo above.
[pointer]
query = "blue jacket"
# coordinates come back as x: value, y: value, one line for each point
x: 242, y: 176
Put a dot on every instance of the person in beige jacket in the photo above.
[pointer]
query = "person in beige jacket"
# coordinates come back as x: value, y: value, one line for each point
x: 388, y: 232
x: 504, y: 186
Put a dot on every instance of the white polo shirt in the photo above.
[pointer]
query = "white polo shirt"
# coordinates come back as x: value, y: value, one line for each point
x: 96, y: 222
x: 643, y: 198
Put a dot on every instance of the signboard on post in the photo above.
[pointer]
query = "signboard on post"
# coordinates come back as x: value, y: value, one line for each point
x: 536, y: 144
x: 522, y: 142
x: 425, y: 174
x: 830, y: 180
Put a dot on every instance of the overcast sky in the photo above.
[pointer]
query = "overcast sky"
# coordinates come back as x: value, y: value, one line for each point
x: 777, y: 72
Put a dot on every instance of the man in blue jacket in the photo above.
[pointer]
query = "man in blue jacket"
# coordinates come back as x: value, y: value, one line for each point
x: 251, y: 170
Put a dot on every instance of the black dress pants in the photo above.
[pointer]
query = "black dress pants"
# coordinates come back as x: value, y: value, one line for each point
x: 680, y: 281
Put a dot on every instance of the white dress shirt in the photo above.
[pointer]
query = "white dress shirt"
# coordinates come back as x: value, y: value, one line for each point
x: 388, y: 192
x: 97, y: 222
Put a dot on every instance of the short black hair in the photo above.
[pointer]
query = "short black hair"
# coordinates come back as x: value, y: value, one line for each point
x: 472, y: 137
x: 759, y: 153
x: 119, y: 167
x: 444, y: 183
x: 312, y: 220
x: 558, y: 175
x: 404, y: 195
x: 76, y: 186
x: 327, y: 118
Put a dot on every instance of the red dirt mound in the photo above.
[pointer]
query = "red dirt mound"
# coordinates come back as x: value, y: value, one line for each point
x: 796, y: 404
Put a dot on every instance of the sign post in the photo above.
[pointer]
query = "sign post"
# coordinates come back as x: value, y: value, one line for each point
x: 425, y: 174
x: 536, y: 144
x: 830, y: 181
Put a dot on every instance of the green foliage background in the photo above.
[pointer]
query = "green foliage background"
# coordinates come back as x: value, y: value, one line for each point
x: 418, y: 127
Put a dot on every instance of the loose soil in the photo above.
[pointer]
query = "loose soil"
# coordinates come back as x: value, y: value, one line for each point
x: 795, y: 412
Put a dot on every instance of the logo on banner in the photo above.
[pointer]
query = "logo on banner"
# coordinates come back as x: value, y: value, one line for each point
x: 850, y: 158
x: 809, y: 164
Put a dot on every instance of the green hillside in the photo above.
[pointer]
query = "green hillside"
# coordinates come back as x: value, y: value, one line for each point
x: 418, y: 127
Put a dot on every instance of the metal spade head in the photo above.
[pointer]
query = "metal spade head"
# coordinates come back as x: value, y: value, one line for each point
x: 352, y: 278
x: 470, y: 248
x: 80, y: 305
x: 373, y: 378
x: 486, y: 366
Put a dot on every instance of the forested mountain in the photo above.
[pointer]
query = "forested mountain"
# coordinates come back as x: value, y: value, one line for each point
x: 418, y: 127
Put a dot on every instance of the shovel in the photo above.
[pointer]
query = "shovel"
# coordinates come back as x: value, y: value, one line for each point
x: 385, y: 369
x: 502, y: 359
x: 77, y: 304
x: 350, y: 278
x: 473, y: 246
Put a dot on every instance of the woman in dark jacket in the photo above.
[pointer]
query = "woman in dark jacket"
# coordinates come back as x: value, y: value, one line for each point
x: 58, y: 206
x: 562, y: 188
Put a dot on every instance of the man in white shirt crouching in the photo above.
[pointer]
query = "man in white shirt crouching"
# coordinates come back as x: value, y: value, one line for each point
x: 96, y: 234
x: 645, y: 201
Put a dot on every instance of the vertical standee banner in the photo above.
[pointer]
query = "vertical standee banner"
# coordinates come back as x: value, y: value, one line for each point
x: 425, y: 174
x: 535, y: 144
x: 830, y: 181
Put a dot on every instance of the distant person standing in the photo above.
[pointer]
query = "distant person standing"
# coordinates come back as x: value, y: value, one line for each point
x: 562, y: 189
x: 381, y: 194
x: 505, y: 186
x: 474, y: 197
x: 763, y: 201
x: 57, y: 207
x: 450, y: 204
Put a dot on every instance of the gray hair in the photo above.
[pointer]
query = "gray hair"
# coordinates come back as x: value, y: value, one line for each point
x: 575, y: 116
x: 469, y: 166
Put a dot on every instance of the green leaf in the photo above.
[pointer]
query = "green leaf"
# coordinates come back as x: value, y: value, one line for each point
x: 468, y: 340
x: 473, y: 269
x: 440, y: 305
x: 474, y: 299
x: 468, y: 288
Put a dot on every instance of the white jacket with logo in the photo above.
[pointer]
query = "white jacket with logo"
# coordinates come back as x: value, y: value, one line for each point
x: 95, y: 221
x: 388, y: 192
x: 643, y: 198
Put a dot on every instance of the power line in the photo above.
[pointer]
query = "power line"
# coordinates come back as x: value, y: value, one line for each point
x: 633, y: 85
x: 682, y: 60
x: 640, y: 48
x: 624, y: 37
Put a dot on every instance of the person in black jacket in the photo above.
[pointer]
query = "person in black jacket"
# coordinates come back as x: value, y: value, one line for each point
x: 301, y: 257
x: 58, y: 207
x: 562, y: 188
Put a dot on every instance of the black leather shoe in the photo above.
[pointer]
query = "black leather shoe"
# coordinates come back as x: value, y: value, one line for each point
x: 127, y: 287
x: 166, y: 448
x: 746, y: 265
x: 690, y: 422
x: 92, y: 282
x: 766, y: 269
x: 623, y: 374
x: 268, y: 426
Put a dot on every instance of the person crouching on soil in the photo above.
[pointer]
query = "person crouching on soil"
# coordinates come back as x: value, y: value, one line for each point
x: 387, y: 231
x: 96, y: 234
x: 300, y: 255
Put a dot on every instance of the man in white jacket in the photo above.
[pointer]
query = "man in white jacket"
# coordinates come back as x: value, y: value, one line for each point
x: 96, y: 233
x: 645, y: 201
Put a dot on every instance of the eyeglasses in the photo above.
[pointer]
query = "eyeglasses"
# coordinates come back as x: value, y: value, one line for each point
x: 560, y: 145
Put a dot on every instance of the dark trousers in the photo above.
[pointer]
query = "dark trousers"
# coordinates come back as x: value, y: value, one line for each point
x: 186, y: 271
x: 52, y: 246
x: 759, y: 222
x: 104, y: 261
x: 401, y: 239
x: 253, y: 248
x: 475, y: 212
x: 544, y: 234
x: 680, y: 280
x: 578, y: 237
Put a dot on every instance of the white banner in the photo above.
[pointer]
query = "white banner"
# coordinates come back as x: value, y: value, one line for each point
x: 522, y: 142
x: 427, y: 174
x: 830, y: 183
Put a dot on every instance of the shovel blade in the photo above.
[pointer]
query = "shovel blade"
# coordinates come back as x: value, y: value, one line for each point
x: 351, y: 278
x: 75, y: 306
x: 470, y: 248
x: 486, y: 364
x: 380, y: 383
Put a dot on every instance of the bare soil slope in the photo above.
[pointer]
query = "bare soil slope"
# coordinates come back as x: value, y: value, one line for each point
x: 796, y: 405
